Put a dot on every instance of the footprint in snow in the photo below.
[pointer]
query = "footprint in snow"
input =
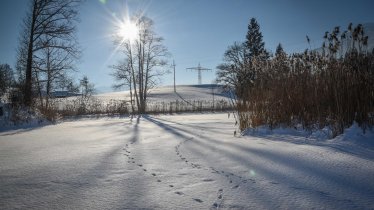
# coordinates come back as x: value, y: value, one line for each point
x: 198, y: 200
x: 274, y: 183
x: 158, y: 180
x: 171, y: 185
x: 153, y: 174
x: 179, y: 193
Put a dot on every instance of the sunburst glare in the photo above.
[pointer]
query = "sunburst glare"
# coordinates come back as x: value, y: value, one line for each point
x: 128, y: 30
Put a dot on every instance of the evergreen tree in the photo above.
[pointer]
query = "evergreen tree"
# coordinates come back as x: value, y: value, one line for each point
x: 279, y: 51
x: 254, y: 44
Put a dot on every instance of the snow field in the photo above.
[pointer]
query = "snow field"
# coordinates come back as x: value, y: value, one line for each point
x: 180, y: 162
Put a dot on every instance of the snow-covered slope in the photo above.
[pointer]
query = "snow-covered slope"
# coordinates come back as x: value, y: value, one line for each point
x: 166, y: 93
x: 180, y: 162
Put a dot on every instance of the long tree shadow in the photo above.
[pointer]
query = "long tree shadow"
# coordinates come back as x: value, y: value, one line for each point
x: 10, y: 131
x: 177, y: 132
x: 356, y: 150
x: 298, y: 165
x: 83, y: 183
x: 360, y: 152
x: 100, y: 175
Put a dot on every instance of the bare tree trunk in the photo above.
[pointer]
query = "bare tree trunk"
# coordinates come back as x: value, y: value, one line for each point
x: 49, y: 78
x: 141, y: 76
x: 131, y: 98
x: 39, y: 89
x: 28, y: 83
x: 133, y: 78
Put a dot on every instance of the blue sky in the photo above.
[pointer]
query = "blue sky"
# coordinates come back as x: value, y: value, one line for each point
x: 194, y: 30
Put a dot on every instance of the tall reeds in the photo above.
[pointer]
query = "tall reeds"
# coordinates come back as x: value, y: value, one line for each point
x: 331, y: 87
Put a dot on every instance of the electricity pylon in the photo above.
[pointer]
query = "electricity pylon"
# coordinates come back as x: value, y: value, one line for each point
x: 199, y: 69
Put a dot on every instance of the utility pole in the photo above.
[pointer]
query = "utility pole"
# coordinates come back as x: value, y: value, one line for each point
x: 199, y: 69
x: 175, y: 89
x: 213, y: 95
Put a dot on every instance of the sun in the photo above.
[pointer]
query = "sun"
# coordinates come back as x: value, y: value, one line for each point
x: 128, y: 31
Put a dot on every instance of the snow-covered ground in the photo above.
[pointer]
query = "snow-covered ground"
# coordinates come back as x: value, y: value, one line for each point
x: 166, y: 93
x: 181, y: 162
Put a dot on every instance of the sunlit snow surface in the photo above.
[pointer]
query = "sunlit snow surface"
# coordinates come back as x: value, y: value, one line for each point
x: 167, y: 94
x: 181, y: 162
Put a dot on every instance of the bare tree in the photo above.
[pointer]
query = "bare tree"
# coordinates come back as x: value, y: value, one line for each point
x: 88, y: 88
x: 52, y: 69
x: 123, y: 75
x: 229, y: 73
x: 48, y: 24
x: 6, y: 78
x: 144, y: 60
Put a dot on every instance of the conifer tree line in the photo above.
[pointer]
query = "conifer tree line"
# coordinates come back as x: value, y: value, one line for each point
x: 328, y: 87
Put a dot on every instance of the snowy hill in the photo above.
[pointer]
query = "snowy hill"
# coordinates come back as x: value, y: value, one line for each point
x: 166, y: 93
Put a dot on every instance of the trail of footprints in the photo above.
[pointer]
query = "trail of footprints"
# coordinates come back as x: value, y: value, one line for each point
x: 235, y: 180
x: 132, y: 160
x: 219, y: 200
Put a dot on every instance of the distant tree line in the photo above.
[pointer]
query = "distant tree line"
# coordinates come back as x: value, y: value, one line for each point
x: 328, y: 87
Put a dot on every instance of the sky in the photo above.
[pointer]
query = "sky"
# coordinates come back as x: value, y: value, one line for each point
x: 195, y: 31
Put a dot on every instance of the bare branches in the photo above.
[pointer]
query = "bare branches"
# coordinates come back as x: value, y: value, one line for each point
x: 144, y: 61
x: 48, y: 45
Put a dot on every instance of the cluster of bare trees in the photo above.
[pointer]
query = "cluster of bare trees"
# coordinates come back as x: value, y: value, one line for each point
x: 48, y: 48
x: 143, y: 63
x: 331, y: 87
